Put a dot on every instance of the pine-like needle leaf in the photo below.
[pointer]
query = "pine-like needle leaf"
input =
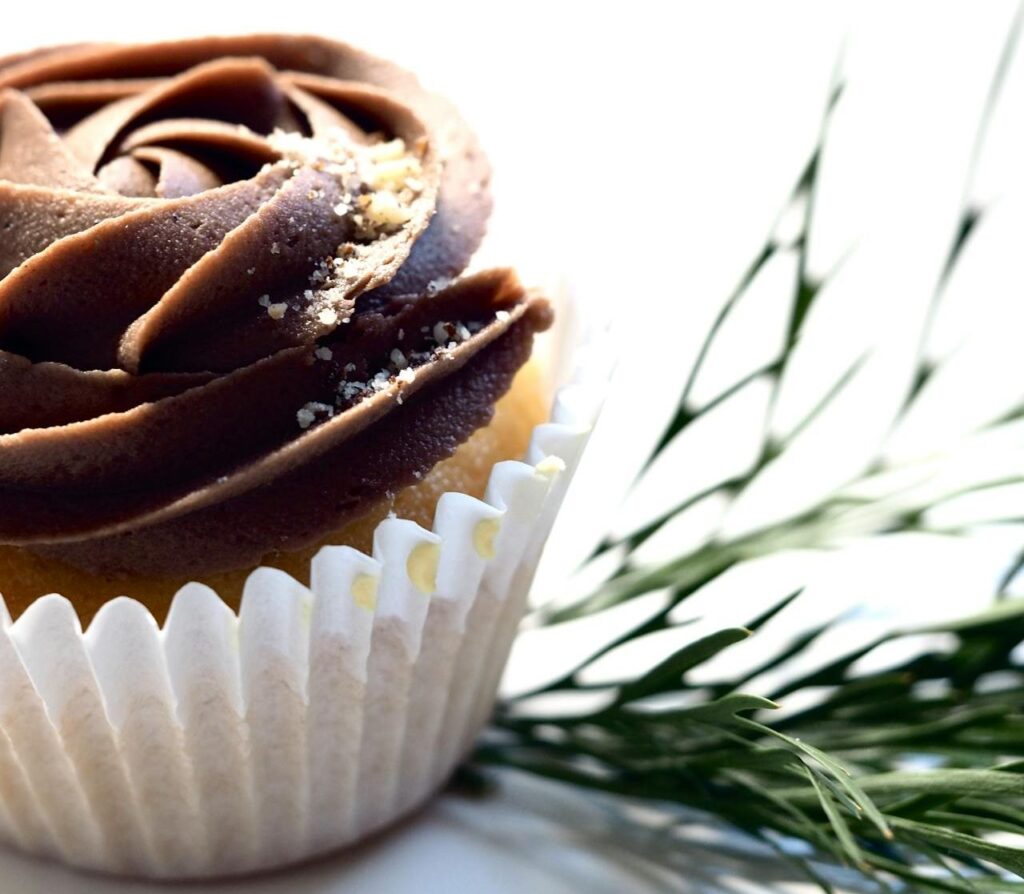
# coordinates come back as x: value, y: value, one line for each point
x: 913, y: 774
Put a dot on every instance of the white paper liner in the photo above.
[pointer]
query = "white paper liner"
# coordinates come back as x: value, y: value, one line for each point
x: 225, y: 744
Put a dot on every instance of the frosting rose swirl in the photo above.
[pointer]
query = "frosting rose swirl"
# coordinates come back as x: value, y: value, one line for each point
x: 228, y: 319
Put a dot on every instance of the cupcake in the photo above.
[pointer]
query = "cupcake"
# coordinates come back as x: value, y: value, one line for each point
x: 262, y: 437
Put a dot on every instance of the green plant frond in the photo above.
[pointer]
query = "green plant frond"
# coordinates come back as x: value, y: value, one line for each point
x: 835, y: 817
x: 667, y: 674
x: 969, y: 214
x: 912, y: 774
x: 837, y: 513
x: 850, y: 751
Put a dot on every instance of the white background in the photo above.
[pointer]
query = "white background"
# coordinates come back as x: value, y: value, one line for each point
x: 643, y: 151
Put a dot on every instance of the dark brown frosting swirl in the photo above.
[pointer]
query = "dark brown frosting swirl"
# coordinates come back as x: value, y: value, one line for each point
x: 227, y: 314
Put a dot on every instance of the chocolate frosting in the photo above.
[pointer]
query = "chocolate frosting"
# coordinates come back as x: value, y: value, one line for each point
x: 228, y: 320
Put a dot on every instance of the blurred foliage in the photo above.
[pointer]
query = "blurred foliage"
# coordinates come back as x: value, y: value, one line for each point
x: 914, y: 775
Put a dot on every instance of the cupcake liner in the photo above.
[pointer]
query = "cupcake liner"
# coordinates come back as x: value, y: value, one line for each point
x: 225, y: 744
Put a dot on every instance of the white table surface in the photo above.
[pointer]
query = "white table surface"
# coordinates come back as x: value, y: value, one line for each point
x: 530, y: 837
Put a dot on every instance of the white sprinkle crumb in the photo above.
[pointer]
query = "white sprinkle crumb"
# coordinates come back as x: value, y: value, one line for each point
x: 407, y: 375
x: 503, y: 316
x: 401, y: 334
x: 263, y: 301
x: 251, y: 271
x: 383, y: 209
x: 324, y: 353
x: 277, y: 310
x: 395, y: 173
x: 440, y: 333
x: 341, y: 209
x: 307, y: 415
x: 398, y: 359
x: 350, y: 367
x: 390, y: 150
x: 399, y: 399
x: 328, y: 316
x: 275, y: 249
x: 462, y: 332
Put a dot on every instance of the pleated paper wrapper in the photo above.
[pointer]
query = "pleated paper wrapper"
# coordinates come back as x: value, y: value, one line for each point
x: 230, y: 743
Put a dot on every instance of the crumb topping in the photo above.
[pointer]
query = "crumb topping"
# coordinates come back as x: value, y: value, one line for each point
x: 383, y: 187
x: 311, y: 411
x: 438, y: 343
